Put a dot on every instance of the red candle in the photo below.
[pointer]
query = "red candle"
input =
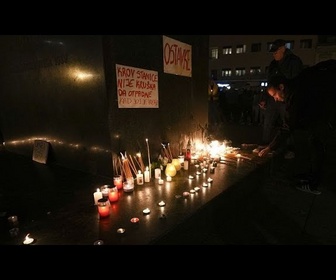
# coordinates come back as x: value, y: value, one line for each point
x: 118, y: 182
x: 113, y: 194
x: 103, y: 207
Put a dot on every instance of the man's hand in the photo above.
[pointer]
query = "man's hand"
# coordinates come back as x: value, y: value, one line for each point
x: 264, y: 152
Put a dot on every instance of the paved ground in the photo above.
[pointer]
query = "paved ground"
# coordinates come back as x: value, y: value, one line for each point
x: 278, y: 213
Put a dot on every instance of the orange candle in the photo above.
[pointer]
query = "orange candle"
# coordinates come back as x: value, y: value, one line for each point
x: 113, y: 194
x: 103, y: 207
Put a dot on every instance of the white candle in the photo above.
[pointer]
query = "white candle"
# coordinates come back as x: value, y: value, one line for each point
x: 157, y: 173
x: 168, y: 178
x: 149, y: 162
x: 160, y: 181
x: 28, y: 240
x: 161, y: 203
x: 140, y: 178
x: 146, y: 174
x: 97, y: 195
x: 186, y: 165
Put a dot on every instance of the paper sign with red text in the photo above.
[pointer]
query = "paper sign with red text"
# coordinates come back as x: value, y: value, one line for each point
x: 136, y: 87
x: 176, y: 57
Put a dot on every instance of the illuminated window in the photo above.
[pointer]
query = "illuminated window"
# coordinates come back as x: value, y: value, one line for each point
x: 226, y: 72
x: 241, y: 49
x: 240, y: 72
x: 214, y: 53
x: 227, y: 50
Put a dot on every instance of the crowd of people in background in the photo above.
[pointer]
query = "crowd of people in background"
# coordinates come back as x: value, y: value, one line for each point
x: 238, y: 105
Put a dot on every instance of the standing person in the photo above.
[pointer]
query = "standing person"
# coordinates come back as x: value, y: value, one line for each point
x: 308, y: 107
x: 285, y: 63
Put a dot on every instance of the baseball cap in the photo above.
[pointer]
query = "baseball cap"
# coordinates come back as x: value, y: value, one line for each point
x: 277, y: 44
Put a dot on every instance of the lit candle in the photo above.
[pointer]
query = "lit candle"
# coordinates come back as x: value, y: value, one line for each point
x: 135, y: 220
x: 157, y: 173
x: 160, y: 181
x: 97, y: 195
x: 146, y: 211
x: 161, y: 203
x: 28, y: 240
x: 146, y: 173
x: 168, y: 178
x: 103, y: 207
x: 185, y: 194
x: 128, y: 186
x: 105, y: 190
x: 170, y: 170
x: 113, y: 194
x: 149, y: 162
x: 140, y: 178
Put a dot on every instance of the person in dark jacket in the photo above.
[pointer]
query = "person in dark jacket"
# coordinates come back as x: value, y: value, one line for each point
x: 285, y: 63
x: 310, y: 106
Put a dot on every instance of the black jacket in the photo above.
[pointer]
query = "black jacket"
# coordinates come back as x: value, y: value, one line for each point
x: 310, y: 100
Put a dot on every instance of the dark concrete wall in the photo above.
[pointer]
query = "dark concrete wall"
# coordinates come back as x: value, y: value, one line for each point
x: 182, y: 111
x: 43, y: 97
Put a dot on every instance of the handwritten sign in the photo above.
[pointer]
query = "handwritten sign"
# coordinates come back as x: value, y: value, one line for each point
x: 136, y: 87
x: 40, y: 151
x: 176, y: 57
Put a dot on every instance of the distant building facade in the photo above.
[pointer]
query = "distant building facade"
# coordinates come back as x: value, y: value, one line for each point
x: 237, y: 60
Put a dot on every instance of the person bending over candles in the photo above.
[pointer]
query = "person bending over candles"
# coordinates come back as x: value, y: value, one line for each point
x: 309, y: 107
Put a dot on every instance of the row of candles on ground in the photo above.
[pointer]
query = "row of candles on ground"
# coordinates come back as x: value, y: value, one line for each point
x: 108, y: 193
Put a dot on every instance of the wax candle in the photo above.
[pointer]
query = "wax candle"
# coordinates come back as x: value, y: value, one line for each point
x: 160, y: 181
x: 146, y: 211
x: 170, y: 170
x: 168, y: 178
x: 157, y: 173
x: 103, y: 207
x: 28, y: 240
x: 149, y: 159
x: 118, y: 181
x: 186, y: 165
x: 97, y: 195
x: 140, y: 178
x: 105, y: 190
x: 146, y: 174
x: 161, y: 203
x: 128, y: 186
x: 113, y: 194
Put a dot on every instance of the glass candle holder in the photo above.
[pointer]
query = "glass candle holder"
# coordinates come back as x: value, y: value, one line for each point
x: 103, y: 207
x: 128, y: 185
x: 118, y: 181
x: 176, y: 163
x: 170, y: 170
x: 105, y: 190
x: 113, y: 194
